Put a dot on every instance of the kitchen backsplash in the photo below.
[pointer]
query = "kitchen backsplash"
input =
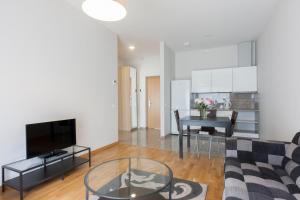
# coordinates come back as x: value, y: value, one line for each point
x: 238, y: 101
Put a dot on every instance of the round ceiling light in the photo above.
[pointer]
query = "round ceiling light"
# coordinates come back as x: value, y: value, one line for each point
x: 104, y: 10
x: 131, y: 47
x: 187, y: 44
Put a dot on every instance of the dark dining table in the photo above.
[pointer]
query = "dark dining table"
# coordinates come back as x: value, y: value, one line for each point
x: 188, y: 121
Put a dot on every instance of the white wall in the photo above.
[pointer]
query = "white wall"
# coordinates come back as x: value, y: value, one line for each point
x: 150, y: 66
x: 167, y: 69
x: 278, y: 70
x: 55, y: 63
x: 187, y: 61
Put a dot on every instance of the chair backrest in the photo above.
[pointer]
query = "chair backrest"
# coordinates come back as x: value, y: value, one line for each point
x: 234, y: 116
x: 176, y: 113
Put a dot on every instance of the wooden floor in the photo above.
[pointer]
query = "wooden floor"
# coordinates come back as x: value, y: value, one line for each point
x: 191, y: 168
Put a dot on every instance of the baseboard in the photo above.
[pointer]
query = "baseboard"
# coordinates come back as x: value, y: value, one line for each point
x: 96, y: 151
x: 142, y: 128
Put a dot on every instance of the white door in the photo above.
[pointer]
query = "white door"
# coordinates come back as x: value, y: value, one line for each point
x: 201, y: 81
x: 245, y: 79
x: 221, y: 80
x: 133, y: 97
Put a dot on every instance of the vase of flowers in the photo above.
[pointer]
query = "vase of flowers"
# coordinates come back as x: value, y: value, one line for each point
x: 203, y: 105
x: 203, y: 113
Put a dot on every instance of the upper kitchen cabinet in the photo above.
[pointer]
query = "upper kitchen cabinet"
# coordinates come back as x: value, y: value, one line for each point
x: 201, y: 81
x: 245, y: 79
x: 221, y: 80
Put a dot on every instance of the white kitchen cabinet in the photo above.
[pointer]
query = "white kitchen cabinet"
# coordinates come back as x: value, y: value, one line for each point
x: 245, y: 79
x: 201, y: 81
x: 221, y: 80
x: 240, y: 79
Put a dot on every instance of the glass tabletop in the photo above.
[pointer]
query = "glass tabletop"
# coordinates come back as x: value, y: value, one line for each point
x: 28, y: 164
x: 128, y: 178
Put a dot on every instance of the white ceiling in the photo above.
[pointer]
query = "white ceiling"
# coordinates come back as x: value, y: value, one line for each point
x: 204, y: 23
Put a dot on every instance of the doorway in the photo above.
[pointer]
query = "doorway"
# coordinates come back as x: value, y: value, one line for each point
x: 127, y: 98
x: 153, y: 102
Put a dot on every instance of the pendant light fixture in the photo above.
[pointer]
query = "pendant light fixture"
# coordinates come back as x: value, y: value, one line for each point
x: 104, y: 10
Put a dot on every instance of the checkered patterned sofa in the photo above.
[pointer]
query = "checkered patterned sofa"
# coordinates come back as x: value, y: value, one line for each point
x: 262, y: 170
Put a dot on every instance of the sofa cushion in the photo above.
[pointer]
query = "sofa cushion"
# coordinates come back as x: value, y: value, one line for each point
x: 250, y: 151
x: 258, y: 180
x: 296, y: 138
x: 293, y: 170
x: 293, y: 152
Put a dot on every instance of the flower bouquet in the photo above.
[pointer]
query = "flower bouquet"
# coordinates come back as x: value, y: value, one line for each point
x: 203, y: 105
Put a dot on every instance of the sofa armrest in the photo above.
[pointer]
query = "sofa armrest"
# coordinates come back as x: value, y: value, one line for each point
x: 251, y: 151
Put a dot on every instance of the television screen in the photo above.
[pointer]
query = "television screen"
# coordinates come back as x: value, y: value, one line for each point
x: 44, y: 138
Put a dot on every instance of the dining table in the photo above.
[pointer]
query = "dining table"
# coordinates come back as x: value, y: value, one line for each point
x: 188, y: 121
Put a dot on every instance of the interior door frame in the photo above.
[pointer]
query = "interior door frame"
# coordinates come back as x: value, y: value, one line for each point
x: 146, y: 99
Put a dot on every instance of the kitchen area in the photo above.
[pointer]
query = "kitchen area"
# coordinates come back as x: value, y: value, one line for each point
x: 229, y: 88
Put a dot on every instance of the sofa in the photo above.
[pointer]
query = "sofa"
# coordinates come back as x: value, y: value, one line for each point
x: 262, y: 170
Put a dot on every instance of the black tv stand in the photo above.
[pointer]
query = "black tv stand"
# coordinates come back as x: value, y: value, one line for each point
x: 34, y: 171
x: 57, y: 152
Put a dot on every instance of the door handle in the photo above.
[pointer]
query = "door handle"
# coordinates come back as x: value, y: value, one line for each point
x: 149, y: 103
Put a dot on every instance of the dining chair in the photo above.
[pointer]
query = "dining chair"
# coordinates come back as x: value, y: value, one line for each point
x: 191, y: 132
x: 217, y: 134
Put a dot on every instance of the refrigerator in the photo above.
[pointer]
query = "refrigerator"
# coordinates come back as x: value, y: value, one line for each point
x: 180, y: 100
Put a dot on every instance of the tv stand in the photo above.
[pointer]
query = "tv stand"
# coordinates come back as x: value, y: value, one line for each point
x: 34, y: 171
x: 57, y: 152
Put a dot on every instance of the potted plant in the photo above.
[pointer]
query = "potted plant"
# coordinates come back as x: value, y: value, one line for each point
x: 203, y: 105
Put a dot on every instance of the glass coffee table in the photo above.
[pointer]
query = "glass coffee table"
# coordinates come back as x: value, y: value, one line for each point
x: 129, y: 178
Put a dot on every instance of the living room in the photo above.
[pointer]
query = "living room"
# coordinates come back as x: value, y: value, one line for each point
x: 60, y: 72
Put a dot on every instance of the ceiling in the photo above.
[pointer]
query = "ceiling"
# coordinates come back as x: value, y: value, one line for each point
x: 202, y: 23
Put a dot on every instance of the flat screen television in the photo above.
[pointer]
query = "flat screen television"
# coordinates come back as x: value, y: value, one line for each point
x: 44, y: 139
